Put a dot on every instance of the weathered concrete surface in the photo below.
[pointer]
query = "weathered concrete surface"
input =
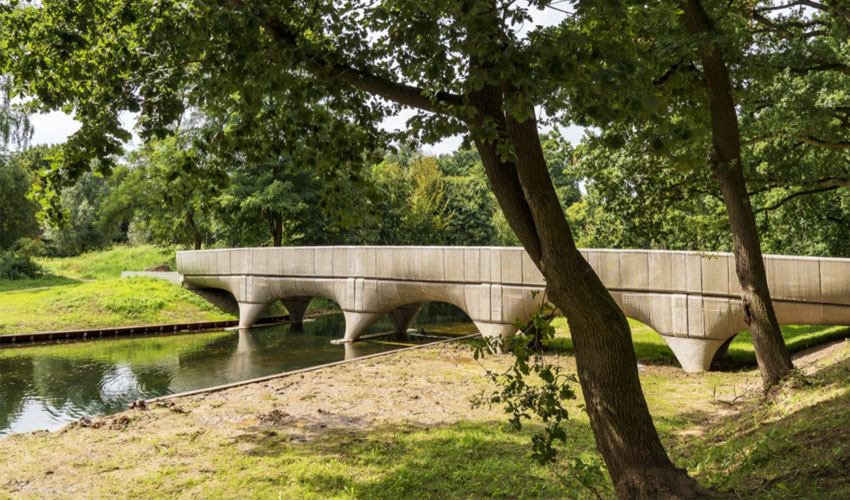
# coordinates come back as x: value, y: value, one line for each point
x: 690, y: 298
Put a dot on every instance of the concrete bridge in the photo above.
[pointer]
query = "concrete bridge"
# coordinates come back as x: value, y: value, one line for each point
x: 691, y: 299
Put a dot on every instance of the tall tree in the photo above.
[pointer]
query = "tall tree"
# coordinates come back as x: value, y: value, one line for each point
x: 173, y: 187
x: 465, y: 66
x: 727, y: 166
x: 17, y: 212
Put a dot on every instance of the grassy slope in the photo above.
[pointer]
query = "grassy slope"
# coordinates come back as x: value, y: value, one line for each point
x: 104, y: 303
x: 109, y: 263
x: 401, y: 427
x: 44, y: 281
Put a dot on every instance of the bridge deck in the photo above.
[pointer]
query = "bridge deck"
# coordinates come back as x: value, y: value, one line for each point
x: 690, y: 298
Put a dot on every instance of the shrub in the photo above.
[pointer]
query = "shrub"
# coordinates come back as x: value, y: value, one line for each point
x: 18, y: 267
x: 30, y: 247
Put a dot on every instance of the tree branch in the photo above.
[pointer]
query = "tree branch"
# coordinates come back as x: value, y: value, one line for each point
x: 400, y: 93
x: 795, y: 195
x: 823, y: 144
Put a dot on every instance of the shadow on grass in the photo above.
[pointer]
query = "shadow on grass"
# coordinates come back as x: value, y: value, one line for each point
x: 775, y: 450
x: 463, y: 460
x: 44, y: 281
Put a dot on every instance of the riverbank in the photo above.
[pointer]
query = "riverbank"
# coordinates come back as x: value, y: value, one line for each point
x: 401, y: 426
x: 102, y: 304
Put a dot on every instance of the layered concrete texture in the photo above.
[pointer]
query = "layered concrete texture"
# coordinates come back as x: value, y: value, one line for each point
x: 690, y: 298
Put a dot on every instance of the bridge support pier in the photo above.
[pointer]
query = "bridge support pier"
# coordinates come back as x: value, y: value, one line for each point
x: 249, y: 313
x: 694, y: 354
x: 402, y: 317
x: 495, y: 332
x: 296, y: 307
x: 356, y: 323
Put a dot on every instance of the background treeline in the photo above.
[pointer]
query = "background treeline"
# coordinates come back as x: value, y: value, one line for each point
x: 406, y: 198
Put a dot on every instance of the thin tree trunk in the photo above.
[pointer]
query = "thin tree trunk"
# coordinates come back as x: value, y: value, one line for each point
x: 773, y: 358
x: 196, y: 236
x: 277, y: 229
x: 605, y: 359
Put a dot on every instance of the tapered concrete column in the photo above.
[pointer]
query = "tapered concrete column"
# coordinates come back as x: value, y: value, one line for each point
x: 296, y: 307
x: 404, y: 316
x: 495, y: 332
x: 249, y: 313
x: 355, y: 350
x: 356, y: 324
x: 694, y: 354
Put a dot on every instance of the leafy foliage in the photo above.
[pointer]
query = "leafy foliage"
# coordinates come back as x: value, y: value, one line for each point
x: 531, y: 386
x: 18, y: 267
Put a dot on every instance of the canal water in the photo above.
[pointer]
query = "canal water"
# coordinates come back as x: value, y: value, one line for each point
x: 46, y: 387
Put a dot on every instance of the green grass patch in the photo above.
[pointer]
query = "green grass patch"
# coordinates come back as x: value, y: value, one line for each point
x: 797, y: 338
x: 109, y: 263
x: 13, y: 285
x: 650, y: 347
x: 105, y: 303
x: 793, y: 444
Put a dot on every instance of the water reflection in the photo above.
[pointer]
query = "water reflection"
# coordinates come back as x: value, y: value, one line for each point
x: 46, y: 387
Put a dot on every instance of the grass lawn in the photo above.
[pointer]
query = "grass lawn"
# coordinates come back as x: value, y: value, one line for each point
x: 44, y: 281
x: 401, y: 426
x: 104, y: 303
x: 651, y: 348
x: 108, y: 264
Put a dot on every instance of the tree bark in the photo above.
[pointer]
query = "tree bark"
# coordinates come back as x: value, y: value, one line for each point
x: 773, y: 358
x: 196, y: 236
x: 277, y: 229
x: 605, y: 359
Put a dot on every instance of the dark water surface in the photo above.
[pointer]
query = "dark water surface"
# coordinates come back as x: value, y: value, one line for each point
x: 46, y: 387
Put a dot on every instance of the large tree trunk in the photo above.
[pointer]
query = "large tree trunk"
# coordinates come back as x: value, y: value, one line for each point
x: 773, y: 358
x: 607, y: 368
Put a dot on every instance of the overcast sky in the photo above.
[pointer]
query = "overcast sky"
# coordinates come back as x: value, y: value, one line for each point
x: 54, y: 128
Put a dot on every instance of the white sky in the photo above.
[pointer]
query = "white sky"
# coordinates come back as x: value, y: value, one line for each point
x: 56, y: 127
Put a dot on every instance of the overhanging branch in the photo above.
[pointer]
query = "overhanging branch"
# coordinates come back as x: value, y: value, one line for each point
x: 407, y: 95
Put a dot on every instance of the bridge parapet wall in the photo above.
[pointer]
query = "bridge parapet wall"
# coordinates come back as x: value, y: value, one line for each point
x: 807, y: 279
x: 682, y: 295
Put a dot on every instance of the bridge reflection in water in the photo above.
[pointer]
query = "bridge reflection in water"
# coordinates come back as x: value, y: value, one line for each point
x: 690, y: 298
x: 36, y: 393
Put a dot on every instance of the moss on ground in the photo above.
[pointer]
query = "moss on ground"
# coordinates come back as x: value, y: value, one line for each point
x: 104, y: 303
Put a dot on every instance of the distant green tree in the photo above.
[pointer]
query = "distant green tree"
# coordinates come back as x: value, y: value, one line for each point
x: 472, y: 208
x: 173, y: 191
x: 558, y: 153
x: 17, y: 212
x: 82, y: 231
